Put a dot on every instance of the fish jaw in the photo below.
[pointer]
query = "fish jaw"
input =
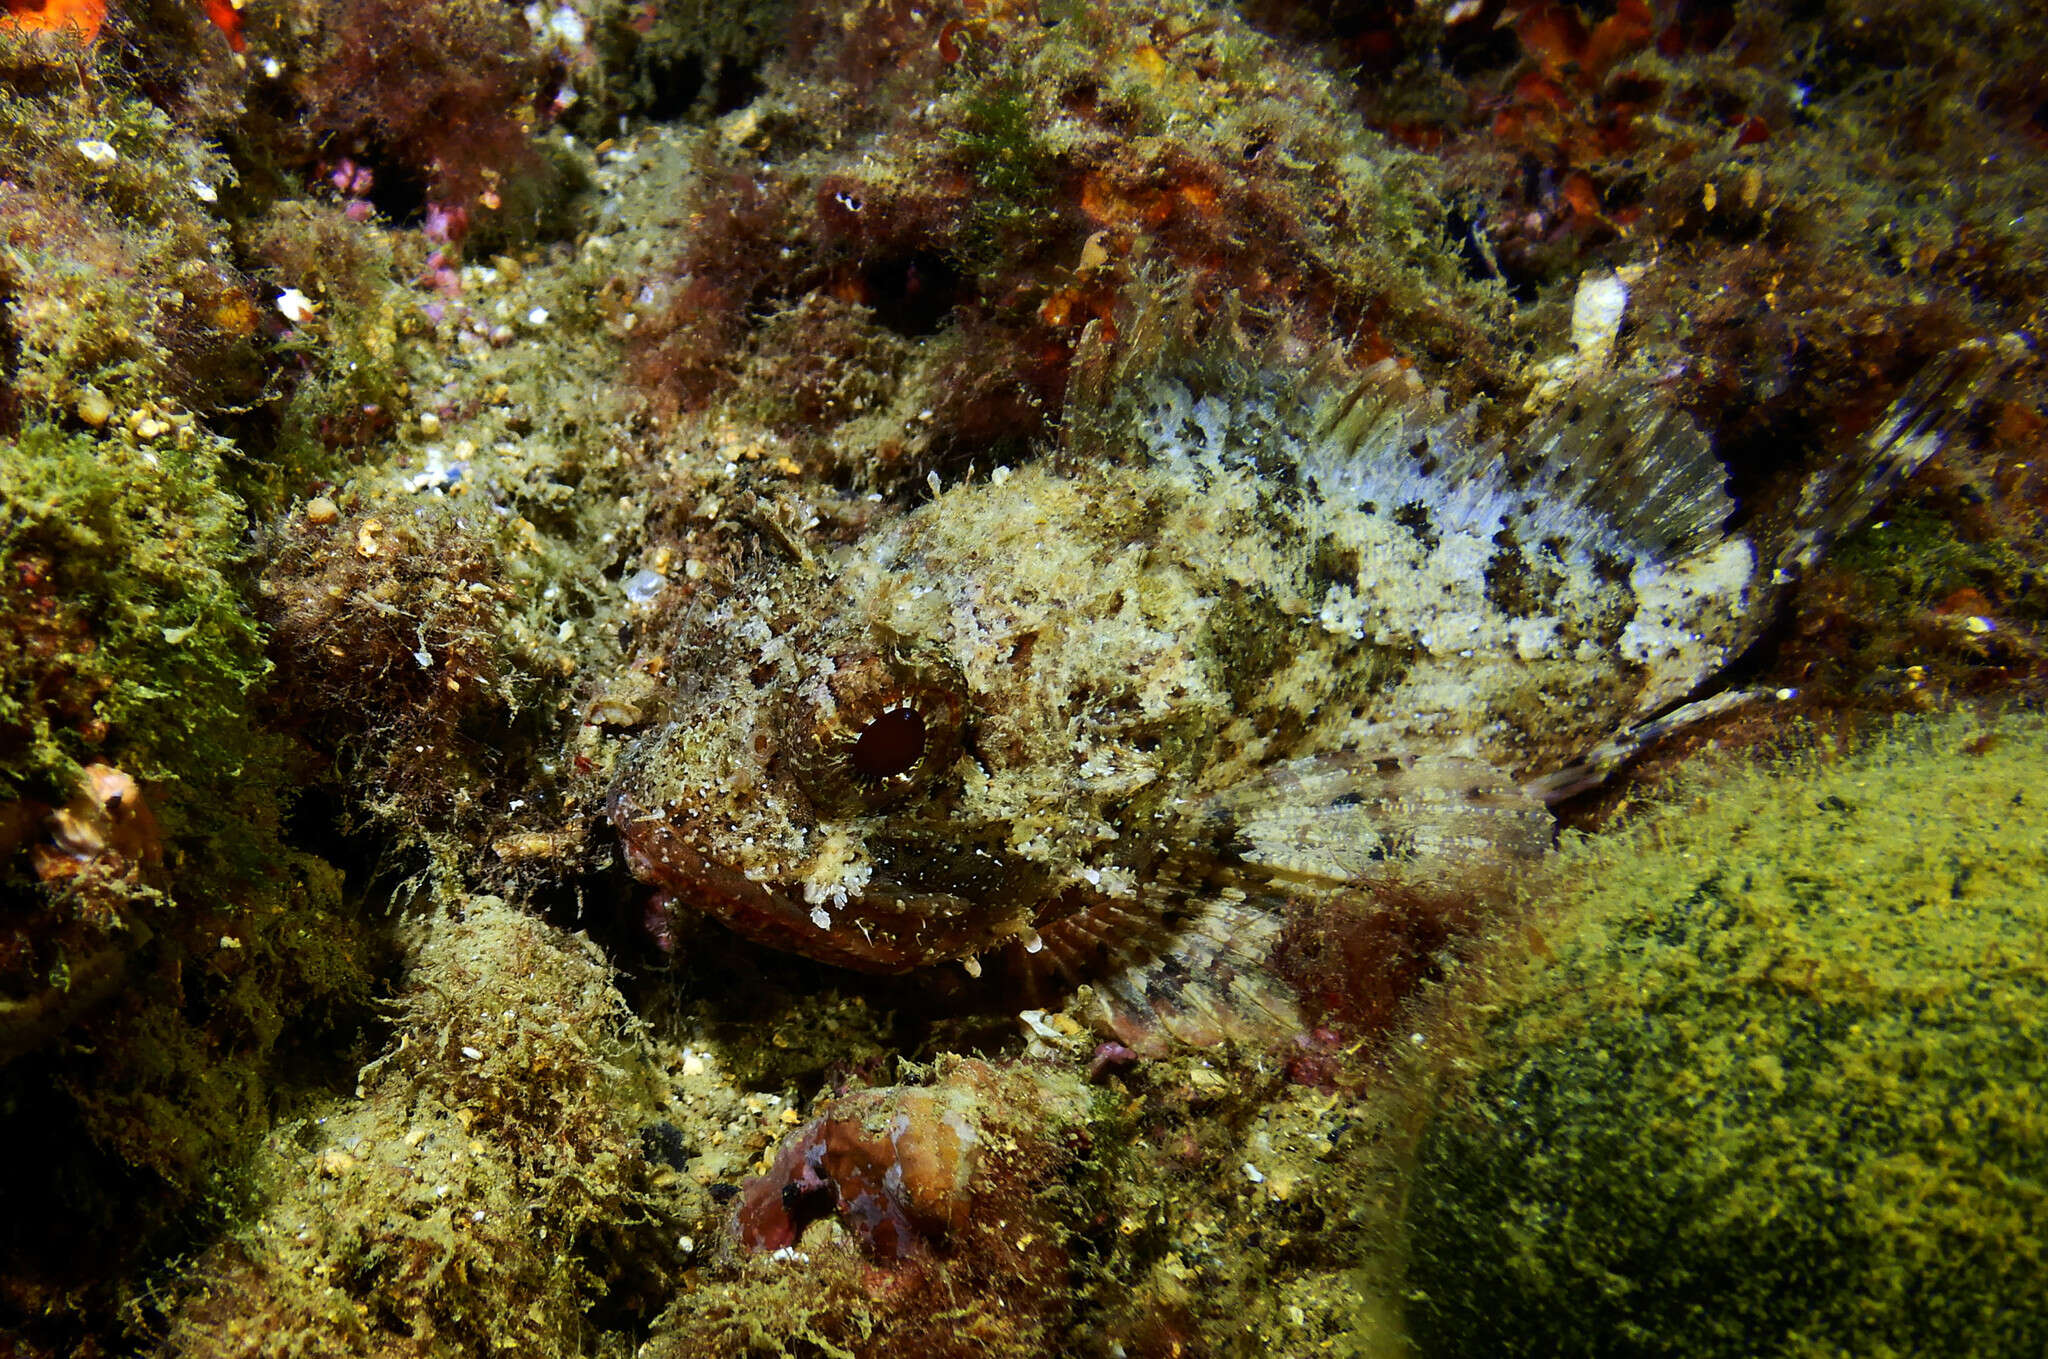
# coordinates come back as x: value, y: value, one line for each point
x: 886, y: 934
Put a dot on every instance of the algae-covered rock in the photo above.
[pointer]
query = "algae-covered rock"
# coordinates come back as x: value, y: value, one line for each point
x: 1775, y: 1086
x: 482, y: 1192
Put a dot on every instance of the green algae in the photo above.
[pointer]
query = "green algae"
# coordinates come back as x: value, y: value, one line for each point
x: 1915, y: 558
x: 1778, y: 1086
x: 107, y: 255
x: 134, y: 543
x: 1003, y: 145
x: 1241, y: 1212
x: 121, y: 535
x: 167, y: 989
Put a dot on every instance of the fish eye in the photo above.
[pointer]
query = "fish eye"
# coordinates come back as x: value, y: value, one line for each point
x: 885, y: 727
x: 889, y: 746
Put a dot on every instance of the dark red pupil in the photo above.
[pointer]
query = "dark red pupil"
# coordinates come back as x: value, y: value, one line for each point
x: 891, y: 744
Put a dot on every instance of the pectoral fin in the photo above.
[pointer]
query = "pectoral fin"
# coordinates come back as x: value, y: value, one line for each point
x: 1313, y: 878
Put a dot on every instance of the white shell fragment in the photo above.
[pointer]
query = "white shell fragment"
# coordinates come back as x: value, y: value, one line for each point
x: 1596, y: 319
x: 566, y: 24
x: 295, y: 306
x: 98, y: 152
x: 645, y: 585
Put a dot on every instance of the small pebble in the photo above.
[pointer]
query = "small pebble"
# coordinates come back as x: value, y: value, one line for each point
x: 321, y: 510
x: 98, y: 152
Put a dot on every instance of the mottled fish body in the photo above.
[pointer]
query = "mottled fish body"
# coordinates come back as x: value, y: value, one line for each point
x: 1101, y: 715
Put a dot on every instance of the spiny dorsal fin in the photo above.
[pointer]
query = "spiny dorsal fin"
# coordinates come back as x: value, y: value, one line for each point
x: 1626, y: 454
x: 1616, y: 469
x: 1618, y: 462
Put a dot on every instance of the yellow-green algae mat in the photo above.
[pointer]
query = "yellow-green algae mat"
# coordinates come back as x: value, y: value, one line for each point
x: 1768, y: 1077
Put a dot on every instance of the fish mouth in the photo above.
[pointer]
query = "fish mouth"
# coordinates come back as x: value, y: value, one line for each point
x: 890, y: 928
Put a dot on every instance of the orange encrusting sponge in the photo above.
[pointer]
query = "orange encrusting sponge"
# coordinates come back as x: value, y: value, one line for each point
x: 82, y: 17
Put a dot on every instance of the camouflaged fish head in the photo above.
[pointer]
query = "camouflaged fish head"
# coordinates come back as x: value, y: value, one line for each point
x: 1098, y: 715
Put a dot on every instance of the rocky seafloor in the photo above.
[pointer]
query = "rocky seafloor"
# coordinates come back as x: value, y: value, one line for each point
x: 385, y: 390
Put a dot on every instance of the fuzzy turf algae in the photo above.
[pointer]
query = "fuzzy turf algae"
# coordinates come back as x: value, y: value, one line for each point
x: 1782, y: 1085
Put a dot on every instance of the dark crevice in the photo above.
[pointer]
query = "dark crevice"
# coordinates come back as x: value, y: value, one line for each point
x: 735, y: 87
x: 913, y: 294
x: 673, y: 86
x: 398, y: 194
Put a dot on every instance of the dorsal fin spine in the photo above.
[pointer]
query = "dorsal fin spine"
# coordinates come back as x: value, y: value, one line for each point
x: 1616, y: 470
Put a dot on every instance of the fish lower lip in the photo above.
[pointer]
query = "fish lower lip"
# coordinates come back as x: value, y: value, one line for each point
x: 874, y: 933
